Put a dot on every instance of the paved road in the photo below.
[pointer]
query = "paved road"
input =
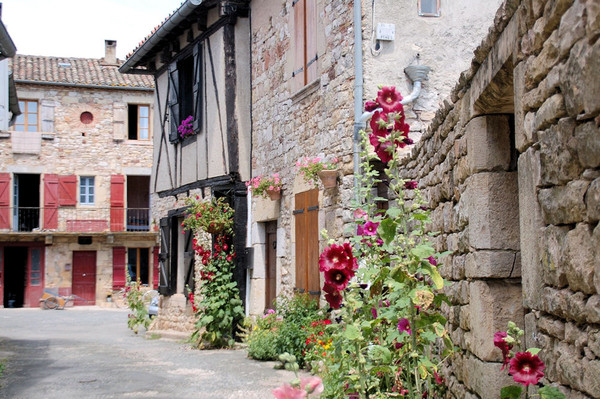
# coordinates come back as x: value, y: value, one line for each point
x: 88, y: 352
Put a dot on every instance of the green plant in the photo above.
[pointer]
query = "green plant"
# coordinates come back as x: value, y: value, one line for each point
x: 219, y: 306
x: 309, y: 168
x: 134, y: 299
x: 391, y: 338
x: 262, y: 337
x: 298, y: 388
x: 212, y: 216
x: 2, y: 367
x: 260, y: 185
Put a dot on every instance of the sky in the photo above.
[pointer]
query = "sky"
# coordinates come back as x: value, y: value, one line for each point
x: 78, y: 28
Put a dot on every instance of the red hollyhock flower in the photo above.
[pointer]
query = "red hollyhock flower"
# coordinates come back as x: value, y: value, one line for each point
x: 338, y: 278
x: 526, y: 368
x: 500, y: 343
x: 332, y: 296
x: 389, y: 99
x: 337, y: 257
x: 371, y: 106
x: 410, y: 185
x: 433, y: 262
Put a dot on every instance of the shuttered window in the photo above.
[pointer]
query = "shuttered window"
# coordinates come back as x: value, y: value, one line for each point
x: 304, y: 43
x: 306, y: 218
x: 67, y: 190
x: 28, y: 121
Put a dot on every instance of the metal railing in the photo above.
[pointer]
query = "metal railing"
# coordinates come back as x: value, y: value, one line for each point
x: 69, y: 219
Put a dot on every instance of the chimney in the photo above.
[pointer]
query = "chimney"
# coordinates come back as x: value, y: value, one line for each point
x: 110, y: 52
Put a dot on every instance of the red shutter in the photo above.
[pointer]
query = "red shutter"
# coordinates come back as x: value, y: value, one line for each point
x: 50, y: 202
x: 155, y: 272
x: 119, y: 256
x: 117, y: 203
x: 67, y: 190
x: 299, y: 44
x: 4, y: 201
x: 311, y: 41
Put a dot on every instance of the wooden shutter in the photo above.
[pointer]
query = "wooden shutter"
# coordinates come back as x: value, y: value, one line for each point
x: 4, y: 201
x: 50, y: 202
x: 117, y: 203
x: 197, y: 87
x: 311, y: 41
x: 164, y: 285
x: 67, y: 190
x: 306, y: 218
x: 47, y: 116
x: 173, y: 102
x: 119, y: 261
x: 155, y: 267
x: 299, y: 44
x: 119, y: 121
x: 188, y: 260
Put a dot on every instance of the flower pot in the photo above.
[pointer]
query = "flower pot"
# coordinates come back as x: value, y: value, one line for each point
x: 274, y: 194
x: 215, y: 228
x: 328, y: 178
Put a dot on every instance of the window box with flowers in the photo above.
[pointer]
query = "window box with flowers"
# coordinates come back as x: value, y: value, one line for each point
x: 314, y: 170
x: 185, y: 130
x: 266, y: 186
x: 213, y: 216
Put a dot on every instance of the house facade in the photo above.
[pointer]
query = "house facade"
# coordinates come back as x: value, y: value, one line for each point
x: 75, y: 181
x: 199, y: 58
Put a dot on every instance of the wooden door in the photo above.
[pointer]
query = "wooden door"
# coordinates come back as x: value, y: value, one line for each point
x: 306, y: 217
x: 35, y: 276
x: 84, y: 277
x: 271, y: 265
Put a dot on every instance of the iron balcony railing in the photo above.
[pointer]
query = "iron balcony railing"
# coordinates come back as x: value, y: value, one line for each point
x: 79, y: 220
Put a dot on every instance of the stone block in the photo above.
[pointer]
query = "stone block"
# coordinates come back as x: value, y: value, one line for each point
x: 550, y: 111
x: 564, y: 204
x: 596, y: 245
x: 579, y: 83
x: 592, y: 309
x: 572, y: 26
x: 552, y: 247
x: 538, y: 67
x: 558, y: 154
x: 587, y: 143
x: 485, y: 379
x: 259, y: 261
x: 264, y: 209
x: 591, y: 378
x: 488, y: 143
x: 493, y: 264
x: 551, y: 326
x: 580, y: 257
x: 493, y: 211
x: 493, y: 305
x: 592, y: 12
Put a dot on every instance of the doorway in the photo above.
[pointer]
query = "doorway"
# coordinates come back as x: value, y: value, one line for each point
x: 14, y: 268
x: 84, y: 277
x: 26, y: 212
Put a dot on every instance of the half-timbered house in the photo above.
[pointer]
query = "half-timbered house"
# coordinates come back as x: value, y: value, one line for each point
x: 199, y: 57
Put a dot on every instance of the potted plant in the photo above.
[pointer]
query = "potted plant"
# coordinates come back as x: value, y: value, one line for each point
x: 266, y: 186
x: 315, y: 169
x: 213, y: 216
x: 185, y: 129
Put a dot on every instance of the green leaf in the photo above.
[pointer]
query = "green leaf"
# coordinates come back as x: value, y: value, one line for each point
x: 422, y: 251
x: 381, y: 353
x: 394, y: 212
x: 511, y: 392
x: 387, y: 230
x: 429, y: 336
x: 437, y: 279
x: 352, y: 332
x: 550, y: 393
x: 534, y: 351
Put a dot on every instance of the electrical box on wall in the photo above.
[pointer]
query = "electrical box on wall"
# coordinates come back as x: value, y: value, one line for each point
x: 386, y: 31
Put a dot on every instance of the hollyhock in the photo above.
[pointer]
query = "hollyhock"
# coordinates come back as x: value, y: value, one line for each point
x: 288, y: 392
x: 526, y: 368
x: 404, y: 326
x: 312, y: 385
x: 332, y: 296
x: 389, y: 99
x: 505, y: 347
x: 432, y: 261
x: 374, y: 312
x: 371, y: 106
x: 337, y: 257
x: 370, y: 228
x: 410, y: 185
x: 360, y: 214
x: 338, y: 278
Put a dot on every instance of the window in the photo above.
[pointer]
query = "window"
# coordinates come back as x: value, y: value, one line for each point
x: 28, y: 120
x: 138, y: 122
x: 429, y: 8
x: 304, y: 43
x: 138, y: 264
x: 185, y: 94
x: 86, y: 190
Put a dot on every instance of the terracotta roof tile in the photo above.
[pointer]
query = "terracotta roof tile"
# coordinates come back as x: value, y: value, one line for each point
x: 76, y: 71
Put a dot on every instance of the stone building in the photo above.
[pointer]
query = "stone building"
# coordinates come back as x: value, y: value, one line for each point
x: 75, y: 181
x: 317, y: 113
x: 199, y: 57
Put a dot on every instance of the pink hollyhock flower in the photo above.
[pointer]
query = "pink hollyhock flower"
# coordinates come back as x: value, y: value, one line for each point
x: 505, y: 347
x: 288, y: 392
x: 360, y: 214
x: 338, y: 278
x: 404, y: 326
x: 410, y: 185
x: 370, y: 228
x: 526, y: 368
x: 371, y: 106
x: 389, y: 99
x: 312, y: 385
x: 337, y: 257
x: 332, y: 296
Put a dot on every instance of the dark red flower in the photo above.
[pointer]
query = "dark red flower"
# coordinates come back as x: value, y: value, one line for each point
x: 332, y: 296
x: 526, y: 368
x: 338, y: 278
x: 337, y: 257
x: 389, y: 99
x: 404, y: 326
x: 505, y: 347
x: 438, y: 378
x: 371, y: 106
x: 410, y: 185
x: 433, y: 262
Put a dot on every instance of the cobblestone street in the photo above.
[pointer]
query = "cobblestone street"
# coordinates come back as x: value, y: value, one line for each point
x: 88, y: 352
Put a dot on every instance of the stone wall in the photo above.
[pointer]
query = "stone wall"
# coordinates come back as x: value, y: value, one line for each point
x: 510, y: 166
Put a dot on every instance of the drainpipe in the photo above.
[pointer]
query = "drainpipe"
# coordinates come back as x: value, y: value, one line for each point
x: 248, y: 245
x: 359, y: 123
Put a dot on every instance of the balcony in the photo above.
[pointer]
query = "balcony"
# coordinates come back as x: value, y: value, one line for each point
x: 75, y: 220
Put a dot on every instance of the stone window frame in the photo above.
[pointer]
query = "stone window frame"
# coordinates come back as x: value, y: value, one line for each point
x: 430, y: 3
x: 87, y: 192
